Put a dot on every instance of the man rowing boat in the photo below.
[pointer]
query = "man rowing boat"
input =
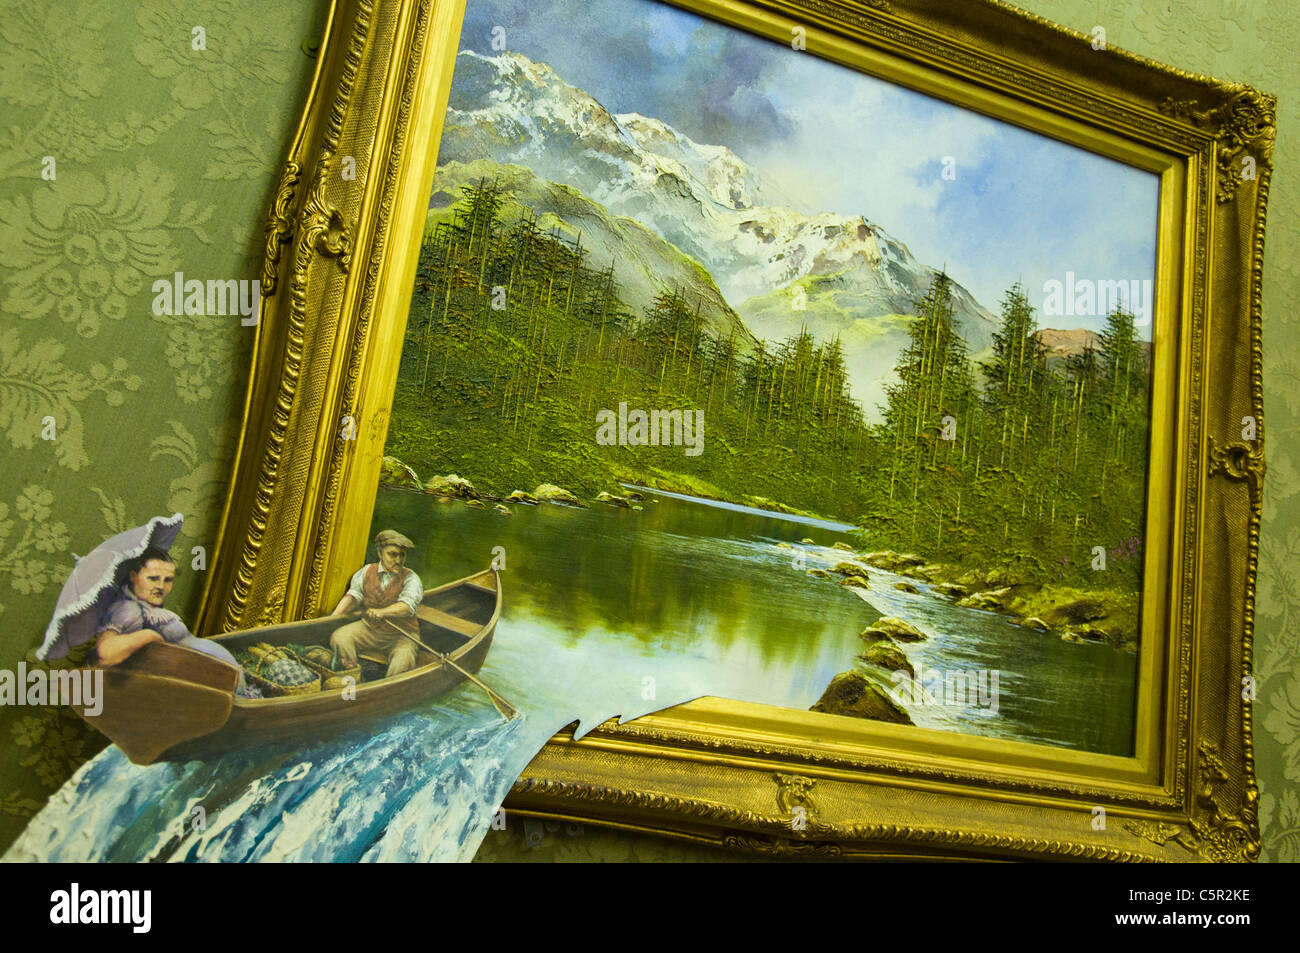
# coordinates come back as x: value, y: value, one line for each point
x: 388, y: 593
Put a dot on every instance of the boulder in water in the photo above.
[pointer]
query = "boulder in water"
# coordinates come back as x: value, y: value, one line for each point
x: 850, y: 570
x: 452, y: 486
x: 906, y: 587
x: 891, y: 627
x: 613, y: 500
x: 393, y: 472
x: 855, y: 695
x: 892, y: 561
x: 521, y: 496
x: 842, y: 546
x: 992, y: 600
x: 885, y: 654
x: 951, y: 590
x: 1092, y: 633
x: 550, y: 493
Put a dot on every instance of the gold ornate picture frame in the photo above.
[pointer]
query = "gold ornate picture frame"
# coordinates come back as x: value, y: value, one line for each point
x: 342, y: 240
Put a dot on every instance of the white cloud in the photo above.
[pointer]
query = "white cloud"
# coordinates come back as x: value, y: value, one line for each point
x: 1022, y: 206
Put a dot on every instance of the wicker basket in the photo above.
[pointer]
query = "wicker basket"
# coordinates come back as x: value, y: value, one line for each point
x: 276, y: 690
x: 270, y: 689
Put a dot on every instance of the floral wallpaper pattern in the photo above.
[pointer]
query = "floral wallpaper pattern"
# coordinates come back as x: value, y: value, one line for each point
x: 139, y: 140
x: 144, y: 139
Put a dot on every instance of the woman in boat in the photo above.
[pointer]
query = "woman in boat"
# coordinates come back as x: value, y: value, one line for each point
x: 137, y: 617
x: 389, y: 594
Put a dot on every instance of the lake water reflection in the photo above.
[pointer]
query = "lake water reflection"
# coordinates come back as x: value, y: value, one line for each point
x: 685, y: 598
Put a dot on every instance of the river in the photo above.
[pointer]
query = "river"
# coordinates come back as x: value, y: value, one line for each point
x: 607, y: 612
x: 708, y: 596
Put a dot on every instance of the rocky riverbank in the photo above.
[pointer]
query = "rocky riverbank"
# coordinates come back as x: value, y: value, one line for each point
x: 1072, y: 614
x: 866, y: 691
x: 396, y: 474
x: 1042, y: 610
x: 453, y: 488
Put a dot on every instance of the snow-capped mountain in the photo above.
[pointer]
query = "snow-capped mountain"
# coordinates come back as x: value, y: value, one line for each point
x: 709, y: 203
x: 726, y: 179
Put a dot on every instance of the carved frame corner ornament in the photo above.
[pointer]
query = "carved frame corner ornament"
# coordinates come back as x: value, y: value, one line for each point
x: 751, y: 777
x: 1211, y: 833
x: 1244, y: 126
x: 325, y: 231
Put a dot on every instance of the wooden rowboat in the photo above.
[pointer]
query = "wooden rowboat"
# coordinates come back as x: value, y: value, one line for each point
x: 168, y: 703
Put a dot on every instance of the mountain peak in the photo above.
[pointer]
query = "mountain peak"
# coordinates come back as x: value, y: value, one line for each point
x: 704, y: 200
x: 727, y: 178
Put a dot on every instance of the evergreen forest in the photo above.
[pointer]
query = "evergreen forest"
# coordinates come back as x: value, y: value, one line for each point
x: 517, y: 338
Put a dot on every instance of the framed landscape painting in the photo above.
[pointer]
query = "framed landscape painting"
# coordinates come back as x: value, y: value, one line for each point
x: 854, y: 401
x: 835, y: 411
x: 797, y: 425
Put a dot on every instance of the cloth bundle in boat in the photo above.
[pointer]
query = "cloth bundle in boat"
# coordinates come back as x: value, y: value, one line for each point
x: 313, y: 654
x: 279, y: 671
x: 326, y: 664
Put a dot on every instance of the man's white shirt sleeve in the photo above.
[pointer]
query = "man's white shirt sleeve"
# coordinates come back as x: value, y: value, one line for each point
x: 412, y: 592
x: 354, y: 587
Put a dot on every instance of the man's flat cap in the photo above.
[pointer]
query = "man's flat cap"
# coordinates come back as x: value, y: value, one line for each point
x: 391, y: 537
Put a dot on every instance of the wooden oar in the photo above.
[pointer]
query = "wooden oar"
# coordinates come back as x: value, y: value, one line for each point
x: 506, y: 709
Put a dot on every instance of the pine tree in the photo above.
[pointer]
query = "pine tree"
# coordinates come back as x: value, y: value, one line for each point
x: 1015, y: 378
x: 1123, y: 398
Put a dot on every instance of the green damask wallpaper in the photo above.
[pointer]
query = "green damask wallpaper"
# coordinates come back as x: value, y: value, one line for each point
x: 143, y: 139
x: 165, y: 124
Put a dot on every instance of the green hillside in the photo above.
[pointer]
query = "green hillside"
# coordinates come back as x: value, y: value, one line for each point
x: 645, y: 265
x: 521, y: 336
x: 831, y: 306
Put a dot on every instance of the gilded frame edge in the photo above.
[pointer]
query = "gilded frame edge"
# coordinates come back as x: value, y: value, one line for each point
x: 334, y: 307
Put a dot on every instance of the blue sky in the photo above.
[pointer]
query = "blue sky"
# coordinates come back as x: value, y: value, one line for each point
x: 1021, y: 207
